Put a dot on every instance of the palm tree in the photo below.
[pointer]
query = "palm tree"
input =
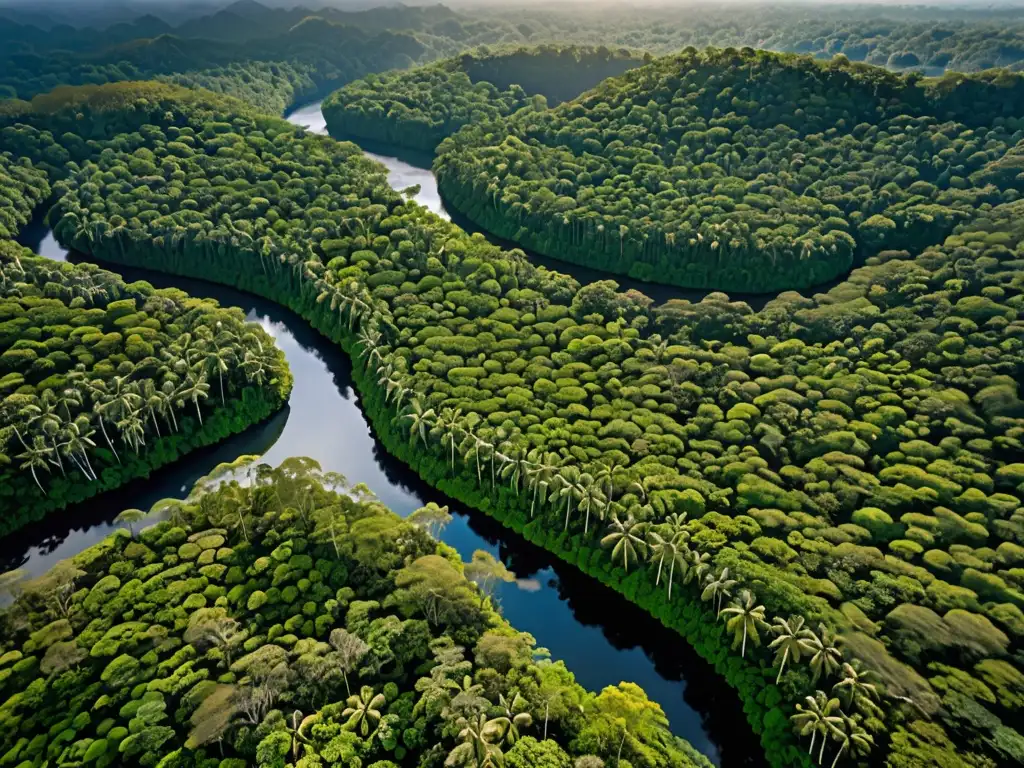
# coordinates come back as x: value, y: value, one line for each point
x: 167, y: 396
x: 253, y: 368
x: 132, y: 429
x: 104, y: 405
x: 825, y: 654
x: 420, y: 421
x: 817, y: 716
x: 215, y: 360
x: 569, y: 489
x: 851, y: 737
x: 195, y: 390
x: 698, y: 567
x: 477, y: 748
x: 591, y: 497
x: 792, y: 640
x: 77, y: 441
x: 369, y: 341
x: 746, y: 619
x: 545, y: 466
x: 607, y: 475
x: 152, y: 402
x: 660, y: 550
x: 36, y: 457
x: 449, y: 423
x: 222, y: 633
x: 298, y: 727
x: 717, y: 589
x: 131, y: 517
x: 471, y: 445
x: 677, y: 527
x: 363, y: 711
x: 857, y: 689
x: 626, y: 540
x: 515, y: 469
x: 514, y: 715
x: 350, y: 649
x: 45, y: 415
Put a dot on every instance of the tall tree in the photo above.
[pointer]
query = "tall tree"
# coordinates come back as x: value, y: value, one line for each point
x: 626, y: 540
x: 745, y: 620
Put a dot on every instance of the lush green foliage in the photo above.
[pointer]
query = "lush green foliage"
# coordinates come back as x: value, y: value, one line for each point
x: 101, y: 380
x: 22, y: 188
x: 310, y: 59
x: 419, y: 108
x: 849, y: 458
x: 899, y: 36
x: 278, y: 622
x: 741, y: 170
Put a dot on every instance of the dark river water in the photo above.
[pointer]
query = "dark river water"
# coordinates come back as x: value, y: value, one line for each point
x: 601, y: 637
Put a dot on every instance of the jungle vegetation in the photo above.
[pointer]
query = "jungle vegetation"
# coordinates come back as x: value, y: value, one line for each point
x: 742, y: 170
x: 276, y: 58
x: 823, y: 497
x: 931, y: 38
x: 103, y: 381
x: 307, y: 61
x: 22, y: 189
x: 421, y: 107
x: 279, y: 621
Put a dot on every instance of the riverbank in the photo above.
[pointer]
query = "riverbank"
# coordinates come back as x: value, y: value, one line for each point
x: 604, y: 638
x: 407, y: 167
x: 690, y: 619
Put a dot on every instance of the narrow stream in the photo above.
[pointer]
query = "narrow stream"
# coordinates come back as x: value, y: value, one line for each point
x: 602, y: 638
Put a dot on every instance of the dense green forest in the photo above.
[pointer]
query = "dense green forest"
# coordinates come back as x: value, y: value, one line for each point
x: 822, y: 497
x: 103, y: 381
x: 310, y: 53
x: 305, y: 62
x: 741, y: 170
x: 279, y: 622
x: 898, y: 36
x: 419, y: 108
x: 22, y: 189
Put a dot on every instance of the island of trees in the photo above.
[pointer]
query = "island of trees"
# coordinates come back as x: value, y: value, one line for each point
x: 278, y: 621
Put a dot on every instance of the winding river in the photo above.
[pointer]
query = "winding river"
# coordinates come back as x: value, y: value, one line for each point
x: 601, y: 637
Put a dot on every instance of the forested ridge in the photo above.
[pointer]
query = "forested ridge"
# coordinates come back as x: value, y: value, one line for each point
x: 741, y: 170
x: 849, y: 458
x: 304, y: 62
x: 419, y: 108
x: 281, y: 621
x: 231, y: 50
x: 931, y: 38
x: 898, y: 36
